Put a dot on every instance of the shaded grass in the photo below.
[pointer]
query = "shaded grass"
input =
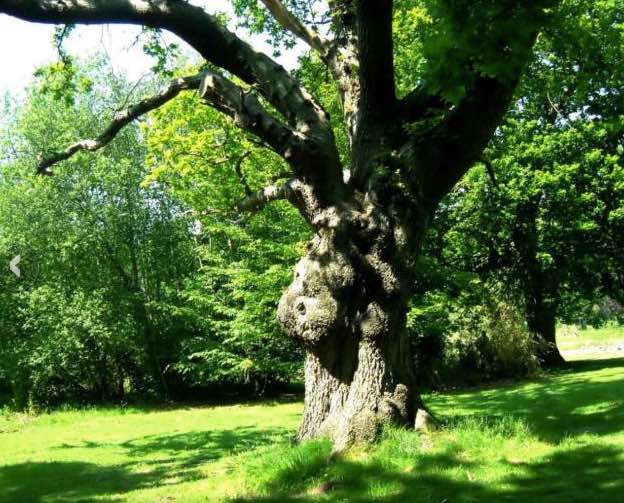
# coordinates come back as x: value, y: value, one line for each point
x: 560, y: 438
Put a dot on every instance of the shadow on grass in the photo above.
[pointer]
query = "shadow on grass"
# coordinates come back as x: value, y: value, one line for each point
x: 67, y: 481
x: 583, y: 475
x: 569, y: 406
x: 160, y: 460
x: 554, y: 409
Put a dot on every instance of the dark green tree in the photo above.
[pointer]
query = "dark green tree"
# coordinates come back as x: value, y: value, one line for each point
x: 544, y: 211
x: 103, y: 258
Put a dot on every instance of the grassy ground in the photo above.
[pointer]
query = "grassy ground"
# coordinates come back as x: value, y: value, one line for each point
x: 560, y: 438
x: 591, y: 343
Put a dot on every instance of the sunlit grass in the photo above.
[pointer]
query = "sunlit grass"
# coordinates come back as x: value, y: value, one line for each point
x: 558, y: 439
x: 591, y: 343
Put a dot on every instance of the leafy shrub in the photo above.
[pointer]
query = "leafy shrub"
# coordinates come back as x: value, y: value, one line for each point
x: 478, y: 337
x: 75, y: 350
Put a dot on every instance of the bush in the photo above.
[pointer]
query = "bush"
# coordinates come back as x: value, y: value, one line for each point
x: 470, y: 340
x: 75, y: 350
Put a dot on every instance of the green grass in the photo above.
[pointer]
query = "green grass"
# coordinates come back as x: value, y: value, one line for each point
x: 560, y: 438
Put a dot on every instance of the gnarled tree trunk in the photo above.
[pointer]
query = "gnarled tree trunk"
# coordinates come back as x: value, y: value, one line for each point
x: 347, y: 307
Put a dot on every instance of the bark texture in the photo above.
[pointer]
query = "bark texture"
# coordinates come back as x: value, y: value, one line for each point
x: 347, y: 307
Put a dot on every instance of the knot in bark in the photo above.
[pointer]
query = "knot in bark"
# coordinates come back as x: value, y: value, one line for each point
x: 312, y: 307
x: 375, y: 322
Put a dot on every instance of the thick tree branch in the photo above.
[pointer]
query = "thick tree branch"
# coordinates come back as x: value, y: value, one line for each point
x: 295, y: 26
x: 375, y: 49
x: 458, y: 136
x: 258, y: 200
x: 203, y: 32
x: 121, y: 119
x: 362, y: 62
x: 244, y: 107
x: 316, y: 163
x: 471, y: 126
x: 320, y: 166
x: 453, y: 147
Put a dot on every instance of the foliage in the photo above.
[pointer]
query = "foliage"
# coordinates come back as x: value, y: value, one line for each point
x: 92, y: 316
x: 245, y: 262
x: 541, y: 213
x: 466, y: 331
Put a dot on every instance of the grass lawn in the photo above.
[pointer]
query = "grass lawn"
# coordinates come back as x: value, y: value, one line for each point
x: 556, y: 439
x: 591, y: 343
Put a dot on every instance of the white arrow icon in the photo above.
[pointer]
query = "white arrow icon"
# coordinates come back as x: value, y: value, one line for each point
x: 13, y: 265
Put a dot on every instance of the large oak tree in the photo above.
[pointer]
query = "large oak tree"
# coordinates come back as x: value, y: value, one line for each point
x: 347, y: 302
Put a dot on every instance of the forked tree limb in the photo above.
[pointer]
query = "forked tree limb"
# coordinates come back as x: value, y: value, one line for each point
x: 248, y: 113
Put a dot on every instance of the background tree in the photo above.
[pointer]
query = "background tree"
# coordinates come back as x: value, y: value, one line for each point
x: 103, y: 259
x: 246, y: 261
x: 544, y: 209
x: 348, y: 301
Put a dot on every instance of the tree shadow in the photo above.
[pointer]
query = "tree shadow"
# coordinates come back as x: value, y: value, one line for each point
x: 554, y: 410
x: 191, y: 449
x: 156, y: 460
x: 68, y: 481
x: 588, y: 473
x: 592, y: 364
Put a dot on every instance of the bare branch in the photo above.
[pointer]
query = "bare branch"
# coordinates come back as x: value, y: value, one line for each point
x: 121, y: 119
x: 294, y: 25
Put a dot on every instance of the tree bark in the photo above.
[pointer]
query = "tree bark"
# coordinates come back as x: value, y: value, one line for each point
x: 347, y: 307
x: 541, y: 321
